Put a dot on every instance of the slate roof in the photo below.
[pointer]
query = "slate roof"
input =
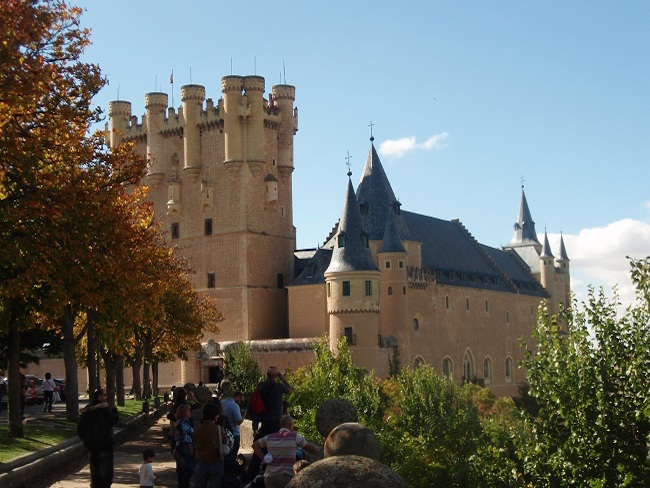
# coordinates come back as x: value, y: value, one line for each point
x: 563, y: 255
x: 448, y: 250
x: 351, y: 251
x: 524, y: 234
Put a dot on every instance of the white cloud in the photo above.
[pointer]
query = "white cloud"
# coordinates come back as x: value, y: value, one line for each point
x: 598, y: 256
x: 399, y: 147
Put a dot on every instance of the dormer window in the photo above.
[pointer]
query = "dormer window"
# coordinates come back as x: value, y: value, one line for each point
x: 341, y: 239
x: 364, y: 240
x: 310, y: 270
x: 363, y: 208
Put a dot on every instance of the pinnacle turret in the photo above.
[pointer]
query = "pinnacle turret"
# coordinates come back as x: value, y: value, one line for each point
x: 351, y: 249
x: 563, y: 254
x: 546, y: 249
x: 524, y: 233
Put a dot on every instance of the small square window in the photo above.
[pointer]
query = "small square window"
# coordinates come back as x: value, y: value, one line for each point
x: 175, y: 230
x: 387, y: 264
x: 401, y: 264
x: 207, y: 227
x: 211, y: 280
x: 350, y: 338
x: 346, y: 288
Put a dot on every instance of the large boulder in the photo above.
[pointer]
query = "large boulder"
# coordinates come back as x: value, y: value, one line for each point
x: 347, y: 472
x: 352, y: 439
x: 333, y: 412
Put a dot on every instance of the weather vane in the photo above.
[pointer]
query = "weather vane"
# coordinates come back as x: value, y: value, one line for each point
x: 522, y: 182
x: 348, y: 164
x: 372, y: 138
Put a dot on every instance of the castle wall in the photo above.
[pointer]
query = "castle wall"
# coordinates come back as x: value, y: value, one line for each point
x: 308, y: 311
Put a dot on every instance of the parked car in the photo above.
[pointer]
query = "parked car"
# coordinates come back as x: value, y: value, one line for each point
x: 34, y: 391
x: 60, y: 383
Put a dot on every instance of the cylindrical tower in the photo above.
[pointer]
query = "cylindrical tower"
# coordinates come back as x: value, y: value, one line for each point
x: 547, y: 274
x: 232, y: 87
x: 192, y: 97
x: 119, y: 114
x: 155, y: 104
x: 283, y: 97
x: 254, y: 125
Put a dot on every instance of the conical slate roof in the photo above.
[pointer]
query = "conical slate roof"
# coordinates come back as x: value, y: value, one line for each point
x: 546, y: 249
x: 351, y: 251
x: 563, y: 254
x: 392, y: 241
x: 524, y: 233
x: 377, y: 199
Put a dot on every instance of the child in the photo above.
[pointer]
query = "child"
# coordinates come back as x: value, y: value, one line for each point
x: 146, y: 471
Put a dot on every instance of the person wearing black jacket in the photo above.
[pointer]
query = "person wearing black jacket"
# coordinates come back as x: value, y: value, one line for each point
x: 96, y: 431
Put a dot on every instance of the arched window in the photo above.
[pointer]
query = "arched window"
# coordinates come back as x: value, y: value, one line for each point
x: 390, y: 290
x: 447, y: 303
x: 468, y: 367
x: 508, y: 370
x: 417, y: 362
x: 416, y: 324
x: 447, y: 367
x: 487, y: 371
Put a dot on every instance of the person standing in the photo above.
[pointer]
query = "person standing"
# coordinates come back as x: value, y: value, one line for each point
x: 230, y: 407
x: 184, y: 446
x: 281, y: 456
x: 49, y: 387
x: 209, y: 436
x: 3, y: 389
x: 147, y: 478
x: 272, y: 389
x: 96, y: 431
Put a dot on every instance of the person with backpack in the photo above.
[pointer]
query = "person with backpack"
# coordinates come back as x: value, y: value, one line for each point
x: 183, y: 448
x: 49, y: 387
x: 96, y: 431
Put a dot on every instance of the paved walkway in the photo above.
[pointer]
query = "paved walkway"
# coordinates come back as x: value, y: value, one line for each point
x: 128, y: 458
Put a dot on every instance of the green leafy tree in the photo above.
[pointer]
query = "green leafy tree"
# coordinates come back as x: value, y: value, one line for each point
x: 242, y: 369
x: 333, y: 375
x: 432, y: 429
x: 592, y: 386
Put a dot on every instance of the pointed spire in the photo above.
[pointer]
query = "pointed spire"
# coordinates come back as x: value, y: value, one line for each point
x: 524, y: 226
x: 546, y: 250
x: 376, y: 195
x: 563, y: 255
x: 351, y: 249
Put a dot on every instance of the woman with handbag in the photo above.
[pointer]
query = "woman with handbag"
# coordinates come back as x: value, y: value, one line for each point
x: 211, y: 448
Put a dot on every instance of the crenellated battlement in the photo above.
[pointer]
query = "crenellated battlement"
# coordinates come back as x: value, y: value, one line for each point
x: 284, y: 92
x: 119, y: 107
x: 192, y: 92
x: 232, y: 83
x: 155, y: 99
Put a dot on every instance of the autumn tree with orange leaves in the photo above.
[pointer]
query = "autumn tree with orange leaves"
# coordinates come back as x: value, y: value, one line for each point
x: 77, y: 236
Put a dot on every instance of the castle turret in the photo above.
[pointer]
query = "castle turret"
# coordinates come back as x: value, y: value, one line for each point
x: 283, y: 97
x: 547, y: 273
x: 192, y: 97
x: 155, y: 104
x: 232, y: 87
x: 119, y: 114
x: 564, y: 275
x: 394, y: 280
x: 352, y: 281
x: 253, y: 125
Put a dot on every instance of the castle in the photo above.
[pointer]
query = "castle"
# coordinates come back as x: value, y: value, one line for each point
x: 394, y: 284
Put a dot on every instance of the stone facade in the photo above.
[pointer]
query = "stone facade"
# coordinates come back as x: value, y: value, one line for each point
x: 220, y: 179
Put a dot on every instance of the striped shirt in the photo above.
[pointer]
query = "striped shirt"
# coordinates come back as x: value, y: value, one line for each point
x: 282, y: 446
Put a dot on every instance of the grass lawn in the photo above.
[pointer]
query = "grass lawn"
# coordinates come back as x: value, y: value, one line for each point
x: 40, y: 434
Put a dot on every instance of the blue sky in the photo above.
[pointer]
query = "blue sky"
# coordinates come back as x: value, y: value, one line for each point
x: 465, y: 98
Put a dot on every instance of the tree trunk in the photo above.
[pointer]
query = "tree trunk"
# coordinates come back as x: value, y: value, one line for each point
x: 15, y: 385
x: 111, y: 365
x: 92, y: 348
x: 146, y: 379
x: 70, y: 361
x: 154, y: 375
x: 119, y: 380
x: 137, y: 364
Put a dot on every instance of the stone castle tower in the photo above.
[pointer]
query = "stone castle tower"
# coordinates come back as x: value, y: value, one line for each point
x: 220, y: 179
